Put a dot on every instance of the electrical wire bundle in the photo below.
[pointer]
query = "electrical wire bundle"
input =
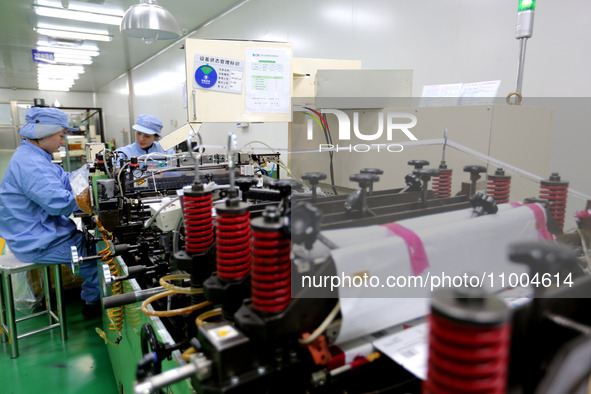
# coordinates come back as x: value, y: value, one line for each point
x: 322, y: 122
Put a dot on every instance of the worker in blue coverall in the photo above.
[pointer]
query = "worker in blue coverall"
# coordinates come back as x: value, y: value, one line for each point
x: 147, y: 131
x: 36, y: 199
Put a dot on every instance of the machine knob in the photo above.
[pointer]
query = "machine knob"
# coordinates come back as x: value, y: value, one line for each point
x: 483, y: 204
x: 364, y: 180
x: 544, y: 257
x: 413, y: 183
x: 375, y: 171
x: 75, y: 261
x: 427, y: 173
x: 244, y: 184
x: 314, y: 177
x: 418, y: 164
x: 475, y: 170
x: 305, y: 224
x: 285, y: 185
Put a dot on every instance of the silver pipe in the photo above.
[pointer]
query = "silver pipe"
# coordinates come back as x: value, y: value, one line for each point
x: 130, y: 298
x: 38, y: 331
x: 32, y: 315
x: 520, y: 64
x: 444, y: 145
x: 165, y: 378
x: 232, y: 147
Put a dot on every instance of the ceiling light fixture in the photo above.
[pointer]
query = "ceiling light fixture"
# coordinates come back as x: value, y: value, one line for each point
x: 74, y: 34
x: 67, y: 45
x: 150, y: 22
x: 82, y: 16
x: 57, y: 77
x: 72, y: 60
x: 67, y: 51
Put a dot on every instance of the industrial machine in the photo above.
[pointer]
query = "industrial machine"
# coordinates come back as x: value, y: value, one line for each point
x: 221, y: 277
x: 216, y: 282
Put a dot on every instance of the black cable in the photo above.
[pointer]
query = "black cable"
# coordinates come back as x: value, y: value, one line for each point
x: 328, y: 137
x: 329, y: 141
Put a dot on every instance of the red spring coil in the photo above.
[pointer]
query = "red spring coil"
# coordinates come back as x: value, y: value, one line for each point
x: 557, y: 195
x: 271, y: 271
x: 499, y: 188
x: 198, y: 222
x: 233, y: 245
x: 442, y: 184
x: 466, y: 358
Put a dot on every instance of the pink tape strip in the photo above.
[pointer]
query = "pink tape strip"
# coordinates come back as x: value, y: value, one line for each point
x: 418, y: 258
x: 543, y: 233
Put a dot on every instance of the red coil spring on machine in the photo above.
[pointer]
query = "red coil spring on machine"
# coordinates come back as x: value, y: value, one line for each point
x: 467, y: 358
x: 442, y: 184
x: 198, y: 222
x: 271, y: 271
x: 556, y: 192
x: 499, y: 186
x: 233, y: 245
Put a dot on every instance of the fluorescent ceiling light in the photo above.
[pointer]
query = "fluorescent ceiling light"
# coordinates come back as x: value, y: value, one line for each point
x: 78, y: 69
x: 45, y: 77
x: 83, y: 46
x: 72, y: 60
x: 76, y: 15
x: 61, y: 70
x: 95, y: 6
x: 59, y: 88
x: 76, y: 34
x: 67, y: 51
x: 57, y: 81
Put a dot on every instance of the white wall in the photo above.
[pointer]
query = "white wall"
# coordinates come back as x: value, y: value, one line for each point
x: 114, y: 100
x: 442, y: 41
x: 66, y: 99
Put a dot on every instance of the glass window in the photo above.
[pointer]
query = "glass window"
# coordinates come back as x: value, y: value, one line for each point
x: 22, y: 112
x: 7, y: 139
x: 5, y: 114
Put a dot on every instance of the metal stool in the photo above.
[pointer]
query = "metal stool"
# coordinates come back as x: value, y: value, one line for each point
x: 10, y: 265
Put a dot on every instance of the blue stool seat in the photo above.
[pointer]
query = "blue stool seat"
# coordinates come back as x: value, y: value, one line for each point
x: 10, y: 265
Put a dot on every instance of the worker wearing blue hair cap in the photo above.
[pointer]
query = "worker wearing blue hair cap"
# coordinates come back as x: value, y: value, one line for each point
x: 36, y: 199
x: 147, y: 131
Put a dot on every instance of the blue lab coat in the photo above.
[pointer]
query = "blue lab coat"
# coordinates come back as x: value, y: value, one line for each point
x: 35, y: 201
x: 134, y: 150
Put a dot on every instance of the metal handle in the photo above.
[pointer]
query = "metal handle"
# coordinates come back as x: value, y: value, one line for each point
x: 194, y: 106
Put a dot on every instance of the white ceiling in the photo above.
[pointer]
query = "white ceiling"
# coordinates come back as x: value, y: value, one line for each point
x: 17, y: 39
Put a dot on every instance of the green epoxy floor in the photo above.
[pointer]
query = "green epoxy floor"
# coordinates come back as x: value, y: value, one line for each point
x: 46, y: 365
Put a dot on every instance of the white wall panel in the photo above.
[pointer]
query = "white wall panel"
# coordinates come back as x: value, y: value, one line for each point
x: 441, y: 41
x: 66, y: 99
x: 113, y: 99
x: 158, y: 87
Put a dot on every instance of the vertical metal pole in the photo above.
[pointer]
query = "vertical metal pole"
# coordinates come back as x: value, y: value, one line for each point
x: 10, y: 315
x: 47, y: 289
x: 4, y: 337
x: 520, y: 64
x: 61, y: 312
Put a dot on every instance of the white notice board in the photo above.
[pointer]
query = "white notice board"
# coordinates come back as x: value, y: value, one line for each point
x: 238, y: 81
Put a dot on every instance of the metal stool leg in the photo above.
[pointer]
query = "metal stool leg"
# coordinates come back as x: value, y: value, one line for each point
x: 3, y: 335
x: 47, y: 289
x: 10, y: 316
x: 61, y: 310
